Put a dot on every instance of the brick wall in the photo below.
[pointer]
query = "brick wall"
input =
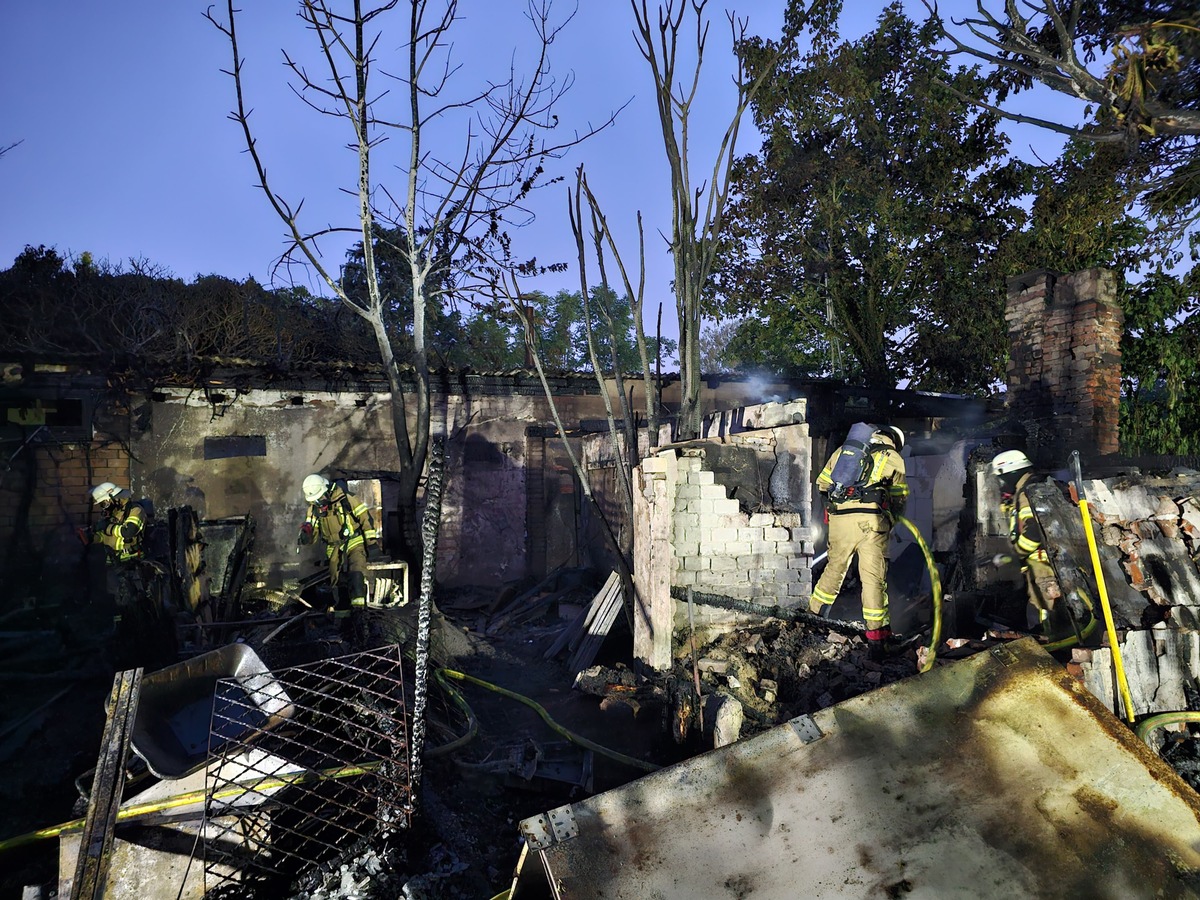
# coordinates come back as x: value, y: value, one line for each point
x: 764, y: 557
x: 1064, y: 370
x: 43, y: 500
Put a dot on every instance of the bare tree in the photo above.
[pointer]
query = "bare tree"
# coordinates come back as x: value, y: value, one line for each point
x: 453, y: 207
x: 698, y: 211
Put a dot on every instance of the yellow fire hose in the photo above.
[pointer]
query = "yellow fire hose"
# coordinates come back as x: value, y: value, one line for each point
x: 1102, y: 587
x: 935, y: 636
x: 144, y: 810
x: 545, y: 716
x: 1153, y: 723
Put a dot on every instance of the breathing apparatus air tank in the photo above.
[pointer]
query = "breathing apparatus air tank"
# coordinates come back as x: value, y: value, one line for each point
x: 850, y: 466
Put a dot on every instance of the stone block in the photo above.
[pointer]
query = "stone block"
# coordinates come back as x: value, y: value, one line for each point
x: 701, y: 477
x: 776, y: 534
x: 695, y: 563
x: 723, y: 535
x: 738, y: 548
x: 726, y: 507
x: 712, y: 491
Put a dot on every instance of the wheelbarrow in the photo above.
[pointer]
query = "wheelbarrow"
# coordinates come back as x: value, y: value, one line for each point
x: 182, y: 719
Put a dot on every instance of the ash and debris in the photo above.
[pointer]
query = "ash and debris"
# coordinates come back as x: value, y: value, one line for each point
x: 465, y: 842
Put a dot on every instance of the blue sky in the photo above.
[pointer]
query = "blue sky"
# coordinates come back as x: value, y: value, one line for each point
x: 127, y: 152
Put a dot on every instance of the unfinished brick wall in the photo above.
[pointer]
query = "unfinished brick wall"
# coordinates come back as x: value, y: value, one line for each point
x: 721, y: 550
x: 1064, y: 370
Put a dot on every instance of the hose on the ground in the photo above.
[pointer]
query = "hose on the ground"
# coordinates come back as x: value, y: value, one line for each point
x: 1153, y: 723
x: 461, y: 703
x: 143, y: 810
x: 935, y: 581
x: 545, y: 717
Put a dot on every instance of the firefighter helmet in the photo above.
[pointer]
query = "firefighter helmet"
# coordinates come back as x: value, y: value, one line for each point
x: 895, y: 434
x: 104, y: 493
x: 1010, y: 461
x: 315, y: 487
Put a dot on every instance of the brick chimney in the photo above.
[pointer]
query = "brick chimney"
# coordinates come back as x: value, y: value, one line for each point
x: 1064, y: 369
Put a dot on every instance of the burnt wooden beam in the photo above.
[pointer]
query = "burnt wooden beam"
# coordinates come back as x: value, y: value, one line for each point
x: 96, y: 846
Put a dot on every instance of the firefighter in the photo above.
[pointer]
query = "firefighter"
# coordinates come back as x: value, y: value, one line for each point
x: 860, y: 521
x: 345, y: 526
x: 122, y: 523
x: 1014, y: 470
x: 126, y: 583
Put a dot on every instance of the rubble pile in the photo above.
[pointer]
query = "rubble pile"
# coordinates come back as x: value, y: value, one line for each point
x: 773, y: 672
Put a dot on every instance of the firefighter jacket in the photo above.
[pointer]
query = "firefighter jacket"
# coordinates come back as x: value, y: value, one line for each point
x: 886, y: 489
x: 121, y: 530
x: 1023, y: 529
x: 342, y: 521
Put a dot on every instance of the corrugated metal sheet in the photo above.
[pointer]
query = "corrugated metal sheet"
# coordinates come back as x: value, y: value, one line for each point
x: 995, y: 776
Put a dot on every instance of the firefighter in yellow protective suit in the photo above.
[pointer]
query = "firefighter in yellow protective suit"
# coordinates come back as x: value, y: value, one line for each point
x: 859, y: 525
x: 125, y: 581
x: 1014, y: 471
x: 345, y: 526
x: 121, y: 525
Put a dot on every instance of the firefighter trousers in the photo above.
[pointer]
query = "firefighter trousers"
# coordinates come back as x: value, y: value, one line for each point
x: 864, y: 535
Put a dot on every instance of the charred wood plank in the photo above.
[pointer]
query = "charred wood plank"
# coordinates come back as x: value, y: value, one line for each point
x: 96, y: 846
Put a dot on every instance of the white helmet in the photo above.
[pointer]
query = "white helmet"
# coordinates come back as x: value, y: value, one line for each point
x: 103, y: 493
x: 314, y: 487
x: 1010, y: 461
x: 895, y: 434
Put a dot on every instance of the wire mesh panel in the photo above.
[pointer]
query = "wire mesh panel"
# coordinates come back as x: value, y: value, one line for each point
x: 321, y: 781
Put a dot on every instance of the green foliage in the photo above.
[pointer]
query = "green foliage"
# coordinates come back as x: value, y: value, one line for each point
x: 871, y: 219
x: 1080, y: 217
x: 140, y: 313
x: 562, y: 334
x: 1160, y: 366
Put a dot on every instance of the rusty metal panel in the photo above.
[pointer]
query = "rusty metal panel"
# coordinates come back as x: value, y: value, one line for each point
x: 995, y: 776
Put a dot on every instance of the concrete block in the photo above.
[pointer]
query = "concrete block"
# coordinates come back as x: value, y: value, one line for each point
x: 654, y: 464
x: 726, y: 507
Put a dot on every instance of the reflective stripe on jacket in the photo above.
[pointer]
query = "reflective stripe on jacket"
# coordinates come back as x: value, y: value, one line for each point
x: 121, y: 530
x: 342, y: 521
x: 1024, y: 532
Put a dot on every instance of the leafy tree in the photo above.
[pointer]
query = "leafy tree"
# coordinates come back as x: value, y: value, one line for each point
x: 141, y: 315
x: 1133, y: 64
x: 869, y: 223
x: 1160, y: 408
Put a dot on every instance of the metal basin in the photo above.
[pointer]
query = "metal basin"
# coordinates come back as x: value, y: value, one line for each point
x: 178, y: 724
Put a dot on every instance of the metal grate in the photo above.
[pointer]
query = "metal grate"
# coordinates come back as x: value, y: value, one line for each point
x: 316, y: 785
